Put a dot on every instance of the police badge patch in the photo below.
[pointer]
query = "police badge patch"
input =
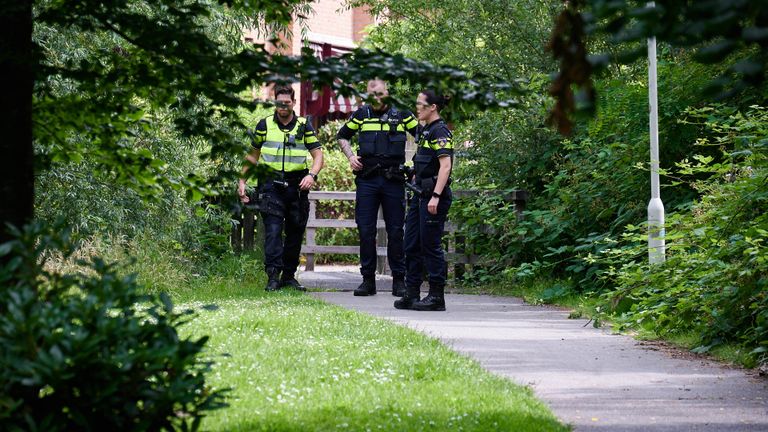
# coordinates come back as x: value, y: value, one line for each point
x: 442, y: 142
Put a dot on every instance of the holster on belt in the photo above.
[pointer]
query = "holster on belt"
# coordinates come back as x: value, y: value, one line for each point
x: 368, y: 172
x: 427, y: 185
x: 266, y: 203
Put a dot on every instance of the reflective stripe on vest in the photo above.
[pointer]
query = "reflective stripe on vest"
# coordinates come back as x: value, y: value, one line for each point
x: 279, y: 157
x: 375, y: 125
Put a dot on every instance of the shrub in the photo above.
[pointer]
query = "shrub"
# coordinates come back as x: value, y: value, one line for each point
x: 713, y: 282
x: 87, y: 352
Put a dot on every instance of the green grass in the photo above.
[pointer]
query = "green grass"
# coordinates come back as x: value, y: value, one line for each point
x: 295, y: 363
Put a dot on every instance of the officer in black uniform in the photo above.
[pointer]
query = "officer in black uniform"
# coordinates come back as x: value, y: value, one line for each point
x: 427, y: 212
x: 282, y: 142
x: 381, y: 136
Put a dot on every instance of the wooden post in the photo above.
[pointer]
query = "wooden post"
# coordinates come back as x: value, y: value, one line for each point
x: 460, y: 245
x: 258, y: 228
x: 520, y: 198
x: 248, y: 230
x: 311, y: 231
x: 236, y: 236
x: 381, y: 240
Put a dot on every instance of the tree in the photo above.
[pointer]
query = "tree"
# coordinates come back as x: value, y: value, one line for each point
x: 733, y: 31
x: 16, y: 180
x: 161, y: 57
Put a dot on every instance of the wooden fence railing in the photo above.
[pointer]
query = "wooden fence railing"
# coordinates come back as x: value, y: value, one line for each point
x: 243, y: 233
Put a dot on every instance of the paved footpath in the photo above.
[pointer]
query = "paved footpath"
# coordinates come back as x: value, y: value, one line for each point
x: 591, y: 379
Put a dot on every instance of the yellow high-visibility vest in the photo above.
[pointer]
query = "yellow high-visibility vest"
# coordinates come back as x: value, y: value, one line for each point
x: 285, y: 150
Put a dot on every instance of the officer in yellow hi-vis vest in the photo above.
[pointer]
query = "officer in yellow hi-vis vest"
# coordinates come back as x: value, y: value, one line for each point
x: 381, y: 133
x: 283, y: 142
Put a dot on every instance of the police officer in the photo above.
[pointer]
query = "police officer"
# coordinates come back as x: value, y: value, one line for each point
x: 382, y: 135
x: 282, y: 142
x: 426, y: 216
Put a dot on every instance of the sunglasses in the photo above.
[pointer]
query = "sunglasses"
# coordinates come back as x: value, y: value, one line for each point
x: 283, y: 104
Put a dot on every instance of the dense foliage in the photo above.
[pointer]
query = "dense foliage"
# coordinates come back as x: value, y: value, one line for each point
x: 715, y: 279
x: 714, y: 30
x: 588, y: 192
x: 86, y: 351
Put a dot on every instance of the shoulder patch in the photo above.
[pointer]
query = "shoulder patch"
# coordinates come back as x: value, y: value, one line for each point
x: 443, y: 141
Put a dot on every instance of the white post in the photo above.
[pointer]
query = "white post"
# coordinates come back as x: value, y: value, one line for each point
x: 656, y: 246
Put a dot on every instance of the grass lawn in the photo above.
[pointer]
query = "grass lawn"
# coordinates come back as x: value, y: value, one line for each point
x: 295, y: 363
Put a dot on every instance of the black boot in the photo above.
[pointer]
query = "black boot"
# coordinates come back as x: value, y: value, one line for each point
x: 367, y: 288
x: 273, y: 282
x: 398, y: 286
x: 434, y: 301
x: 410, y: 297
x: 291, y: 282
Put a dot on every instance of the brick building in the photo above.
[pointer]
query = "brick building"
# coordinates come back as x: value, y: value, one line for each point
x: 331, y: 30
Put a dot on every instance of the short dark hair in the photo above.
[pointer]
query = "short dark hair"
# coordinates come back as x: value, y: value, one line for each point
x: 433, y: 98
x: 279, y: 90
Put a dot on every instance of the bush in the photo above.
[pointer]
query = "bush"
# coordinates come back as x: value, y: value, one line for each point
x: 714, y: 280
x: 87, y: 352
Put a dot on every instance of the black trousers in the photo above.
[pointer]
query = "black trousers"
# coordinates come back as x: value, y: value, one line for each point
x: 423, y: 240
x: 285, y: 211
x: 390, y: 195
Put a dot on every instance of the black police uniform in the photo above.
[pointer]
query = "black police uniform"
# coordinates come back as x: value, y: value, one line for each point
x: 282, y: 203
x: 381, y: 139
x: 423, y: 230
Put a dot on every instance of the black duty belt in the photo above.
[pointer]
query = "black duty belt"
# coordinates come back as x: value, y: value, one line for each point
x: 289, y: 178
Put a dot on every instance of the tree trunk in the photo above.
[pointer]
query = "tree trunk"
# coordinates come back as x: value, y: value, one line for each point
x: 16, y: 153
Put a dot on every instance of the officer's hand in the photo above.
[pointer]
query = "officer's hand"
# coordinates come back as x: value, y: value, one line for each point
x: 432, y: 205
x: 307, y: 182
x: 241, y: 192
x: 355, y: 163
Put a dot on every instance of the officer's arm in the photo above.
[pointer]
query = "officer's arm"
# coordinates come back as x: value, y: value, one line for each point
x: 347, y: 132
x: 317, y: 164
x: 258, y: 136
x: 410, y: 123
x: 317, y: 160
x: 443, y: 173
x: 251, y: 159
x: 346, y: 147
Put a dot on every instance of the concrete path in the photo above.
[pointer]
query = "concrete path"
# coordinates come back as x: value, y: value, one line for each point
x: 591, y: 379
